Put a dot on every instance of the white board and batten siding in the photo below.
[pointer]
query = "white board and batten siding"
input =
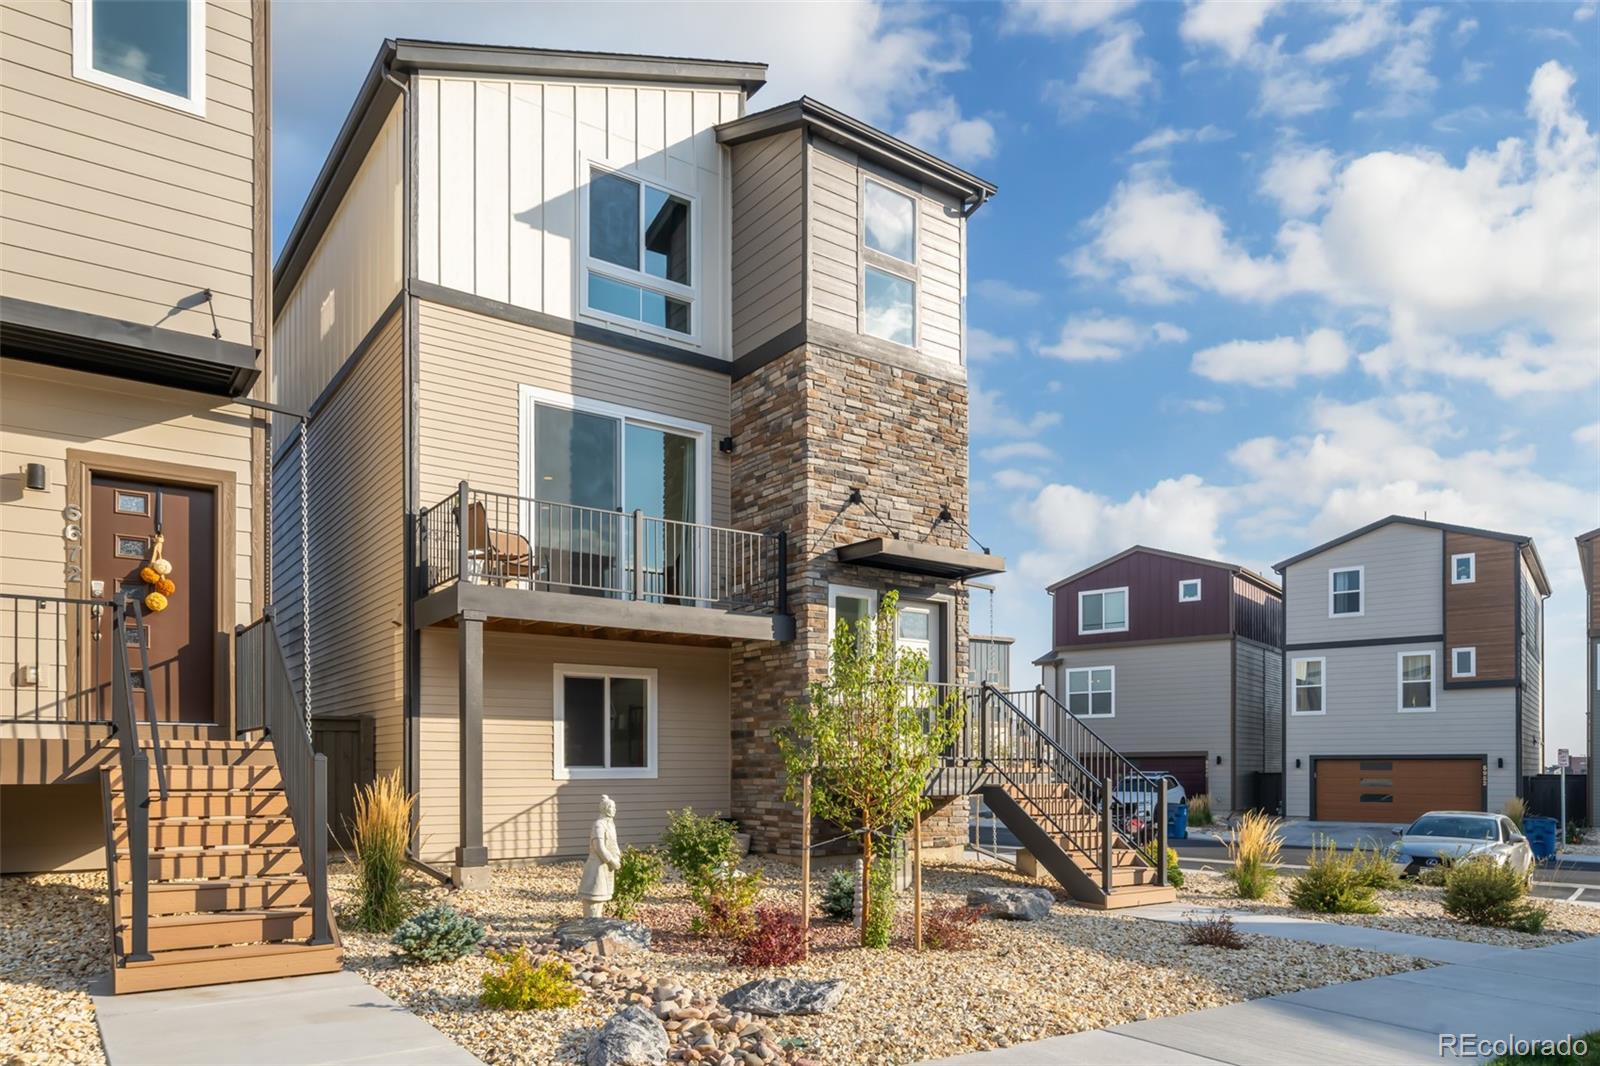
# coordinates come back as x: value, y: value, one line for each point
x: 500, y: 178
x: 350, y: 278
x: 834, y: 263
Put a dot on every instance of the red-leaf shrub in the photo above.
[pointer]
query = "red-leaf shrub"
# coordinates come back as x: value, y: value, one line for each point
x: 951, y: 928
x: 777, y: 940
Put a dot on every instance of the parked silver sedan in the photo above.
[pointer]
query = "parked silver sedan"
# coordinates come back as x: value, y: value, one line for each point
x: 1440, y: 837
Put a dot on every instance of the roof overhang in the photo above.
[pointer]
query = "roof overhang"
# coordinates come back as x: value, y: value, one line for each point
x: 873, y: 143
x: 78, y: 340
x: 920, y: 557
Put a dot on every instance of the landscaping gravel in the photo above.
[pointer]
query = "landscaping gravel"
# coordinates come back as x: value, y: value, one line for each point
x: 54, y: 942
x: 1413, y: 909
x: 1076, y: 969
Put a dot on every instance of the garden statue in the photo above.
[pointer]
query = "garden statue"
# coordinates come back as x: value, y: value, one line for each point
x: 604, y: 858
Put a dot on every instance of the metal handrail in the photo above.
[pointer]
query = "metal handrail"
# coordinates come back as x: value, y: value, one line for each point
x: 135, y: 765
x: 53, y: 637
x: 265, y: 702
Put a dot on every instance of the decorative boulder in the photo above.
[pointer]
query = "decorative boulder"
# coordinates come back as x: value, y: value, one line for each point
x: 631, y: 1037
x: 785, y: 995
x: 1018, y: 904
x: 603, y: 936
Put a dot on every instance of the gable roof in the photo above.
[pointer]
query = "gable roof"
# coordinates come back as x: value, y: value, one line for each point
x: 1233, y: 568
x: 1524, y: 543
x: 406, y: 55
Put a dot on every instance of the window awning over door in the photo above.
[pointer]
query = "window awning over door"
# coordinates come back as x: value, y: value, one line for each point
x: 920, y: 557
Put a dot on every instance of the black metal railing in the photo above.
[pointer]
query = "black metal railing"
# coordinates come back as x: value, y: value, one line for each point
x: 130, y: 678
x: 265, y: 702
x: 55, y: 659
x: 495, y: 538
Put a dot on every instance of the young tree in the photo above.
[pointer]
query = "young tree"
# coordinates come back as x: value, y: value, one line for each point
x: 869, y: 735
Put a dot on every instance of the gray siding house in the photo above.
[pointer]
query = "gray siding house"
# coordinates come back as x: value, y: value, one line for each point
x: 1413, y: 671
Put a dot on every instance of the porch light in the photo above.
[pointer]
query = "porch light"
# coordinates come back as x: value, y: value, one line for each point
x: 35, y: 478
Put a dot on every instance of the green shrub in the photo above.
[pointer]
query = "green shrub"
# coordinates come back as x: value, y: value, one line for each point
x: 726, y: 897
x: 380, y: 831
x: 1484, y: 892
x: 1530, y: 918
x: 439, y: 934
x: 1516, y: 810
x: 1333, y: 884
x: 1375, y: 867
x: 1433, y: 876
x: 515, y: 983
x: 878, y: 922
x: 1174, y: 874
x: 1200, y: 810
x: 839, y: 894
x: 696, y: 846
x: 1254, y: 850
x: 640, y: 871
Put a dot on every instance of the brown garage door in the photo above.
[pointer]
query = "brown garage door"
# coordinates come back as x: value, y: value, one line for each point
x: 1395, y: 790
x: 1190, y: 770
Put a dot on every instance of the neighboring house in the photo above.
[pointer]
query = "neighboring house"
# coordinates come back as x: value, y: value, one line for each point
x: 620, y: 395
x: 1175, y: 661
x: 1589, y: 560
x: 1414, y: 671
x: 133, y: 317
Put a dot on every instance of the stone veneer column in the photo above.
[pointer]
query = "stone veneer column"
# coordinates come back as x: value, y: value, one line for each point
x: 810, y: 426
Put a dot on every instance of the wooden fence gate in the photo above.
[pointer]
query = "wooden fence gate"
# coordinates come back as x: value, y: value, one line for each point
x: 348, y: 744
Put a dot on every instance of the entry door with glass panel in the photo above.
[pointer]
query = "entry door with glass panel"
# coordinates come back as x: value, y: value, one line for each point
x: 918, y: 630
x: 591, y: 471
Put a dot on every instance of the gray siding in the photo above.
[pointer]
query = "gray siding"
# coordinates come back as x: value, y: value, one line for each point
x: 1402, y: 588
x: 1530, y: 724
x: 768, y: 234
x: 1257, y: 709
x: 1362, y: 718
x: 1170, y: 698
x: 1594, y: 731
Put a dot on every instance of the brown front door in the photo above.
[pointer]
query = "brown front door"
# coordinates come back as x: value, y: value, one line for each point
x: 1395, y: 790
x: 123, y: 519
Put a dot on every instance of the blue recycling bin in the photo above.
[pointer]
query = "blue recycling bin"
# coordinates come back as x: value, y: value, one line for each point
x: 1178, y: 821
x: 1541, y: 834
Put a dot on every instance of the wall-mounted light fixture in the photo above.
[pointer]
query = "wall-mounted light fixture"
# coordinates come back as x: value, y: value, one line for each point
x: 1297, y: 764
x: 725, y: 445
x: 35, y: 478
x: 1500, y: 764
x: 1219, y: 760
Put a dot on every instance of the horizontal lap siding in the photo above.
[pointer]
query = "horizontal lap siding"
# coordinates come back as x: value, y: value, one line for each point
x: 357, y: 548
x: 1257, y: 709
x: 1362, y: 699
x: 768, y: 253
x: 116, y: 206
x: 527, y: 813
x: 472, y: 365
x: 1403, y: 570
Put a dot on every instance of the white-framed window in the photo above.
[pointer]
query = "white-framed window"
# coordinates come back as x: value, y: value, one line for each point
x: 1464, y: 568
x: 152, y: 49
x: 849, y: 603
x: 1092, y: 691
x: 1308, y: 694
x: 1347, y: 592
x: 889, y: 263
x: 1103, y: 611
x: 605, y: 722
x: 1189, y: 590
x: 1464, y: 662
x: 641, y: 253
x: 1415, y: 673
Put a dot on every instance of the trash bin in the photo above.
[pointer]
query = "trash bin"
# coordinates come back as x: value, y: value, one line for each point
x: 1541, y: 834
x: 1178, y: 821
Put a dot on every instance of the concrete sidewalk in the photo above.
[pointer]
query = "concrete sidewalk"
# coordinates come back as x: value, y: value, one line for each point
x: 323, y: 1019
x: 1533, y: 994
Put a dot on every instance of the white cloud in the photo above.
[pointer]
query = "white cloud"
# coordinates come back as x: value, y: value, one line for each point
x: 1114, y: 69
x: 1166, y: 137
x: 1017, y: 480
x: 1227, y: 25
x: 1022, y: 449
x: 1364, y: 27
x: 1055, y: 18
x: 1279, y: 362
x: 1205, y: 405
x: 941, y: 130
x: 1006, y: 294
x: 1403, y: 72
x: 1585, y: 11
x: 1587, y: 436
x: 1298, y: 179
x: 990, y: 416
x: 1092, y: 337
x: 1464, y: 29
x: 983, y: 345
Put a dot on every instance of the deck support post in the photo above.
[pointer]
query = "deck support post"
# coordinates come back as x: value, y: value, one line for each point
x: 471, y: 870
x: 1161, y: 834
x: 1106, y: 804
x: 916, y: 878
x: 805, y: 866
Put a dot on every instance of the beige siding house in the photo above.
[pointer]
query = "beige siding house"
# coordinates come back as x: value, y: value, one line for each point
x: 134, y: 246
x: 563, y: 322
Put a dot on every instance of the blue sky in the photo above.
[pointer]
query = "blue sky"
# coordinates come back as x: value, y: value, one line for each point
x: 1257, y: 274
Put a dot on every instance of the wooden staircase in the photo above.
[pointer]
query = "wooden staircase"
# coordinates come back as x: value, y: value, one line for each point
x: 1049, y: 780
x: 228, y: 896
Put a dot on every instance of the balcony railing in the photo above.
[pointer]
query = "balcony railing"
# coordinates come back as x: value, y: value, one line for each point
x: 494, y: 538
x: 56, y: 658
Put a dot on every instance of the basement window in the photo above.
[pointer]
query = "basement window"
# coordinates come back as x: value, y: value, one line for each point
x: 152, y: 49
x: 605, y: 722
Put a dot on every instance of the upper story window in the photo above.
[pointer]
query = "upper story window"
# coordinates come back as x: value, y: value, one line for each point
x: 640, y: 253
x: 1416, y: 680
x: 1092, y: 692
x: 1463, y: 569
x: 152, y: 49
x: 1464, y: 662
x: 1103, y: 611
x: 1189, y: 591
x: 889, y: 276
x: 1347, y: 592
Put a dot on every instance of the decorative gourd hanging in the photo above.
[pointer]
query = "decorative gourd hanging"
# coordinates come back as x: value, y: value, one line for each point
x: 156, y: 574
